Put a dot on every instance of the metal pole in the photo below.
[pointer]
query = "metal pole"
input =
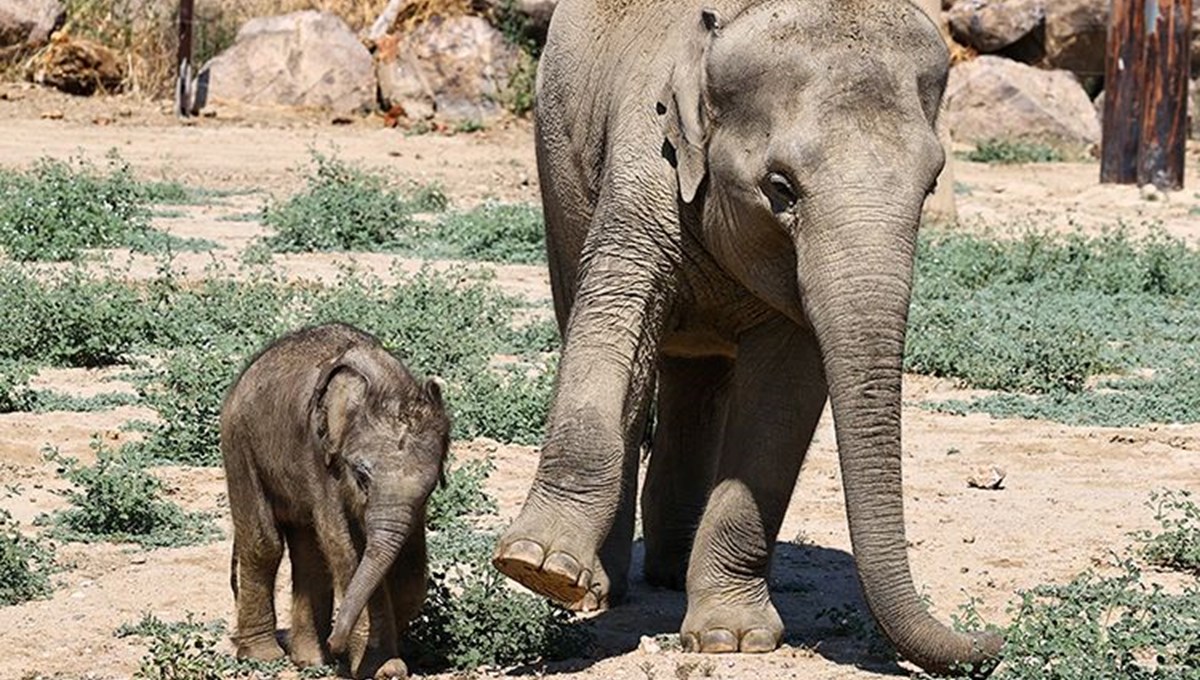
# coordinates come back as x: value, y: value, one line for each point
x: 183, y: 95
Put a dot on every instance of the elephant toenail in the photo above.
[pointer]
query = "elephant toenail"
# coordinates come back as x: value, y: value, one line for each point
x: 759, y: 641
x: 689, y: 642
x: 718, y: 641
x: 520, y: 553
x: 563, y: 565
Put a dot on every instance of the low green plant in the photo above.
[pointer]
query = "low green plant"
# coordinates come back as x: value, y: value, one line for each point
x: 1104, y: 627
x: 26, y: 564
x: 1177, y: 545
x: 14, y: 386
x: 58, y: 208
x: 117, y: 500
x: 462, y: 496
x: 344, y: 207
x: 1090, y: 330
x: 472, y: 617
x: 187, y: 650
x: 1007, y: 152
x: 496, y: 232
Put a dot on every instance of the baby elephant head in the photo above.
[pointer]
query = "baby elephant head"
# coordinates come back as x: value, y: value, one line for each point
x: 386, y: 437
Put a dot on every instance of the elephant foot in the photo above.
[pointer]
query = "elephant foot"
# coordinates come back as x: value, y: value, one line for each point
x: 717, y: 627
x: 391, y: 669
x: 259, y: 648
x: 558, y: 564
x: 307, y: 654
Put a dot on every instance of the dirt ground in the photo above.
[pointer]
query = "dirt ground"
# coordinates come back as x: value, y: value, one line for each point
x: 1070, y: 497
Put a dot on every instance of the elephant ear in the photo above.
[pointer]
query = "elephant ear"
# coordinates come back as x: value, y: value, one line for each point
x: 681, y: 107
x: 340, y: 393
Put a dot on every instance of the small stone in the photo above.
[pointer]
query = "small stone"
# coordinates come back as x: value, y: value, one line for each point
x: 1152, y: 193
x: 648, y: 645
x: 990, y: 478
x: 53, y: 114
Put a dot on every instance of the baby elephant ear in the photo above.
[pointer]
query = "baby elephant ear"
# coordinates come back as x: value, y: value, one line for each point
x: 340, y: 392
x: 681, y: 109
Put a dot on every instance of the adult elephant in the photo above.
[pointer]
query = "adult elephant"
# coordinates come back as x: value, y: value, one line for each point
x: 732, y: 193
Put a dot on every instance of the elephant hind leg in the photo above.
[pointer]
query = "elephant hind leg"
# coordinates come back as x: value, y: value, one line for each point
x: 312, y: 598
x: 778, y: 395
x: 693, y: 399
x: 258, y: 550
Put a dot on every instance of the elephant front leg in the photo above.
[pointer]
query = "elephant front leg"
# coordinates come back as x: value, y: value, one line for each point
x: 778, y: 395
x: 312, y: 598
x: 582, y: 495
x: 692, y: 405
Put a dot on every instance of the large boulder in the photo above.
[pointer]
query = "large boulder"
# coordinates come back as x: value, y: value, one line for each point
x: 78, y: 66
x: 991, y: 97
x: 1076, y: 33
x: 992, y: 25
x: 457, y: 68
x: 29, y: 23
x: 308, y: 59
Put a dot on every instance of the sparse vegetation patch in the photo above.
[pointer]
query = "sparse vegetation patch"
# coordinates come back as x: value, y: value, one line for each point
x: 1009, y: 152
x: 26, y: 564
x: 1083, y: 330
x: 118, y: 500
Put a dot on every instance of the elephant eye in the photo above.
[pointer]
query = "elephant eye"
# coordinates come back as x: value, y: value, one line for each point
x: 362, y: 475
x: 780, y: 192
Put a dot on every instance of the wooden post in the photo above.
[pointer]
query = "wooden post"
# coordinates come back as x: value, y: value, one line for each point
x: 1165, y: 93
x: 1145, y: 98
x: 183, y: 84
x: 1122, y: 88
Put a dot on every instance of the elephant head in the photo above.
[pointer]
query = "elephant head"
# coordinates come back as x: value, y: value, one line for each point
x: 385, y: 436
x: 803, y: 139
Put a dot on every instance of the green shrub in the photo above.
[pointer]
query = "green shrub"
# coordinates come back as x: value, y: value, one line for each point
x: 58, y: 208
x: 117, y: 500
x: 346, y: 208
x: 1009, y: 152
x: 1104, y: 628
x: 69, y: 319
x: 187, y: 650
x: 1047, y: 316
x: 472, y: 617
x: 1177, y: 546
x: 188, y: 392
x: 14, y: 386
x: 461, y: 497
x: 25, y: 564
x: 496, y: 232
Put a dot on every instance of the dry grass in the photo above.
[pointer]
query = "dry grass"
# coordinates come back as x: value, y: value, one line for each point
x: 143, y: 32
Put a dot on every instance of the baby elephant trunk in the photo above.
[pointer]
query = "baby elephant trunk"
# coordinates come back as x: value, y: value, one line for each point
x: 387, y: 530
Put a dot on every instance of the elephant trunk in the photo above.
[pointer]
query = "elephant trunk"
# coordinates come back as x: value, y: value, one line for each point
x: 387, y: 529
x: 855, y: 276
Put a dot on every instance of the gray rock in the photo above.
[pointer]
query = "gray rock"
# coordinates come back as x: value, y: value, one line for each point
x: 309, y: 59
x: 29, y: 23
x: 1076, y: 34
x: 457, y: 68
x: 991, y: 25
x: 991, y: 97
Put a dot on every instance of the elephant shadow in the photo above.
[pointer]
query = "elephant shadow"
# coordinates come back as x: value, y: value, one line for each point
x: 815, y: 589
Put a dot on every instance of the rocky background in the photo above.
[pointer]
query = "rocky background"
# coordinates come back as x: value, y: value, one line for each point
x: 1024, y: 69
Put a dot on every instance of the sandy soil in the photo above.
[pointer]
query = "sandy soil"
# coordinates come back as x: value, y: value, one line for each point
x: 1070, y: 498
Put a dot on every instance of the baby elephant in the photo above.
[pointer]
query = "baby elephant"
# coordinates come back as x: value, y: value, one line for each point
x: 331, y: 446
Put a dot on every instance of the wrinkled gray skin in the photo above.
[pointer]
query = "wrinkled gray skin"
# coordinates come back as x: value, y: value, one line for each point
x: 331, y: 446
x: 732, y: 193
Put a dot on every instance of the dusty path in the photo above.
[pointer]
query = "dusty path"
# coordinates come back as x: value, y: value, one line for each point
x: 1071, y: 496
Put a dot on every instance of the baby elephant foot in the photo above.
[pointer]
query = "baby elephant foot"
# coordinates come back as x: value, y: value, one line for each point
x: 392, y: 669
x: 560, y: 567
x: 716, y: 628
